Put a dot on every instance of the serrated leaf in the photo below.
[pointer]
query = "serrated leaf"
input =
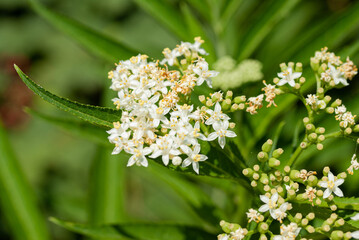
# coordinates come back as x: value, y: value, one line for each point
x: 96, y: 115
x: 139, y: 231
x: 80, y: 128
x: 17, y: 200
x: 96, y: 42
x: 167, y: 15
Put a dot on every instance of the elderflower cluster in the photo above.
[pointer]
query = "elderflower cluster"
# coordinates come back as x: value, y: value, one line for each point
x: 158, y: 120
x: 332, y: 70
x: 346, y: 118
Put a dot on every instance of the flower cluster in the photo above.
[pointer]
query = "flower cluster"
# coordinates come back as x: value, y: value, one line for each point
x: 346, y: 118
x: 157, y: 117
x: 332, y: 70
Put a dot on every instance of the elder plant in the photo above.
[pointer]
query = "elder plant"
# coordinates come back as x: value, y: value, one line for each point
x: 159, y: 117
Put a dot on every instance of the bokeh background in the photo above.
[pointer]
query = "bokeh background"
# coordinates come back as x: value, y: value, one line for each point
x: 58, y: 164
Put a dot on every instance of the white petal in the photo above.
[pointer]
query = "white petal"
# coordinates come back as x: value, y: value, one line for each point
x: 187, y: 150
x: 146, y: 151
x: 327, y: 193
x: 323, y: 184
x: 264, y: 208
x: 175, y: 152
x: 186, y: 162
x: 330, y: 176
x: 196, y: 149
x: 165, y: 159
x: 291, y: 83
x: 274, y: 197
x: 338, y: 192
x: 355, y: 234
x: 281, y: 82
x: 217, y: 108
x: 296, y: 75
x: 156, y: 154
x: 278, y: 237
x: 131, y: 161
x: 339, y: 182
x: 203, y: 157
x: 195, y: 166
x: 225, y: 124
x: 284, y: 207
x: 212, y: 136
x: 356, y: 217
x: 230, y: 134
x: 144, y: 161
x: 222, y: 141
x: 264, y: 198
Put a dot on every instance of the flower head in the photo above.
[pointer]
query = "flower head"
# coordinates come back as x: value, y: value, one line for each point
x: 288, y: 76
x: 332, y: 186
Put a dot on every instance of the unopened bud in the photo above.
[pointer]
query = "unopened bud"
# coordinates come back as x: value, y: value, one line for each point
x: 336, y: 103
x: 234, y: 107
x: 305, y: 222
x: 340, y: 222
x: 241, y: 106
x: 232, y: 125
x: 306, y: 120
x: 202, y: 99
x: 254, y: 183
x: 256, y: 167
x: 314, y: 64
x: 229, y: 94
x: 312, y: 137
x: 310, y: 216
x: 277, y: 152
x: 248, y: 172
x: 176, y: 161
x: 327, y: 99
x: 226, y: 104
x: 333, y: 207
x: 255, y: 176
x: 337, y: 235
x: 320, y: 130
x: 329, y: 110
x: 239, y: 99
x: 297, y: 86
x: 267, y: 146
x: 263, y: 237
x: 326, y: 228
x: 310, y: 127
x: 273, y: 162
x: 301, y: 80
x: 321, y: 138
x: 294, y: 174
x: 310, y: 229
x: 356, y: 128
x: 263, y: 227
x: 209, y: 103
x: 348, y: 131
x: 320, y: 146
x: 287, y: 169
x: 326, y: 170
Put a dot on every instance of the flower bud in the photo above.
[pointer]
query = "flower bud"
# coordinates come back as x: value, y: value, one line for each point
x: 337, y: 235
x: 287, y: 169
x: 276, y: 80
x: 305, y: 222
x: 234, y: 107
x: 273, y: 162
x: 276, y: 153
x: 299, y: 67
x: 294, y: 174
x: 310, y: 127
x: 320, y: 130
x: 202, y: 99
x: 329, y: 110
x: 264, y: 179
x: 262, y: 156
x: 356, y: 128
x: 263, y: 237
x: 267, y: 146
x: 314, y: 64
x: 248, y: 172
x: 322, y: 68
x: 340, y: 222
x: 312, y: 180
x: 297, y: 86
x: 336, y: 103
x: 256, y: 167
x: 255, y: 176
x: 301, y: 80
x: 321, y: 138
x: 326, y: 228
x: 320, y: 146
x: 263, y: 227
x: 229, y: 94
x: 254, y: 183
x: 176, y: 161
x: 283, y: 67
x: 312, y: 137
x: 310, y: 229
x: 310, y: 216
x: 226, y: 104
x: 348, y: 131
x: 342, y: 175
x: 326, y: 170
x: 306, y: 120
x: 239, y: 99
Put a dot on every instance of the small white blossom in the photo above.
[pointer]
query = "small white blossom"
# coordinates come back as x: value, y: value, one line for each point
x: 270, y: 203
x: 253, y: 215
x: 139, y: 155
x: 166, y: 148
x: 332, y: 185
x: 280, y: 213
x: 288, y: 77
x: 239, y: 234
x: 217, y: 115
x: 355, y: 217
x: 288, y: 232
x: 340, y: 111
x: 221, y: 133
x: 201, y: 69
x: 347, y: 120
x: 354, y: 165
x: 337, y: 75
x: 193, y: 157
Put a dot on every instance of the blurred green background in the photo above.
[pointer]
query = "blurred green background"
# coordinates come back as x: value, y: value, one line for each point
x: 58, y: 164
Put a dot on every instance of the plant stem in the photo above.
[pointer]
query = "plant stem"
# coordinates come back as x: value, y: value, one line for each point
x: 295, y: 155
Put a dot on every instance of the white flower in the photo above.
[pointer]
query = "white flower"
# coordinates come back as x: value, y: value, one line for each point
x: 138, y: 156
x: 340, y: 111
x: 289, y: 232
x: 201, y: 69
x: 216, y: 115
x: 270, y: 203
x: 332, y: 185
x: 223, y: 237
x: 239, y: 234
x: 221, y: 133
x: 253, y: 215
x: 337, y: 75
x: 288, y: 77
x: 193, y: 157
x: 165, y: 148
x: 170, y: 56
x: 280, y: 213
x: 354, y: 165
x: 347, y: 120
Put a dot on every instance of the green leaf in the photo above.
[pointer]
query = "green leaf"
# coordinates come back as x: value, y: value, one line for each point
x: 80, y: 128
x: 96, y: 115
x: 139, y: 231
x: 16, y: 197
x: 277, y: 11
x: 347, y: 203
x: 107, y: 187
x: 167, y: 15
x: 97, y: 43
